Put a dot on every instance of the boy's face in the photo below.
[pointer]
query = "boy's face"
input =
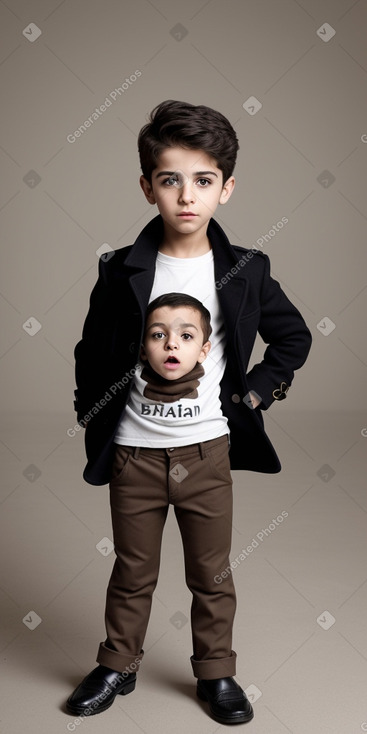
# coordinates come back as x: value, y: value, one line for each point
x: 173, y: 341
x: 187, y: 187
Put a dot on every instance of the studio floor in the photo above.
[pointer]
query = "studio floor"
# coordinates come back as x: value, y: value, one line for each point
x: 301, y: 626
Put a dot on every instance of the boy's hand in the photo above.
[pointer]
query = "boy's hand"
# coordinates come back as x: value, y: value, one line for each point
x: 254, y: 400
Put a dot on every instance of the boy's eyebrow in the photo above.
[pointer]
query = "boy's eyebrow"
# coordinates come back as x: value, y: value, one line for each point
x: 183, y: 326
x: 197, y: 173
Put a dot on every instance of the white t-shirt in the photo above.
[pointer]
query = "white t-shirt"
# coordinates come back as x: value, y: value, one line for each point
x: 158, y: 424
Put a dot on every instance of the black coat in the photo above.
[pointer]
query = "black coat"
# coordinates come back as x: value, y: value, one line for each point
x: 250, y: 300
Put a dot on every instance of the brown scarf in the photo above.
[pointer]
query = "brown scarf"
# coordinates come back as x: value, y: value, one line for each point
x: 168, y: 391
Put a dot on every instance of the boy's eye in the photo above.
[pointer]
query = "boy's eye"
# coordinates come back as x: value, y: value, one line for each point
x: 158, y: 335
x: 176, y: 181
x: 171, y: 181
x: 187, y: 336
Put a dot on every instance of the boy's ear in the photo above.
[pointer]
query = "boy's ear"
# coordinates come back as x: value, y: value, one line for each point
x: 143, y: 354
x: 227, y: 190
x: 147, y: 188
x: 204, y: 351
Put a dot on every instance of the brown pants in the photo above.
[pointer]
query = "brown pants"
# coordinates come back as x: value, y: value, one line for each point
x: 196, y: 480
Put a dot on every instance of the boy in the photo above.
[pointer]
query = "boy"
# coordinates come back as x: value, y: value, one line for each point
x: 176, y: 343
x: 187, y: 156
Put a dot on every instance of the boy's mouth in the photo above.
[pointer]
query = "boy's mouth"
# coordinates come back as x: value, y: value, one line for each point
x: 172, y: 360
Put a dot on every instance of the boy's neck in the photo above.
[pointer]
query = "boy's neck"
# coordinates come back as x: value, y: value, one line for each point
x: 188, y: 245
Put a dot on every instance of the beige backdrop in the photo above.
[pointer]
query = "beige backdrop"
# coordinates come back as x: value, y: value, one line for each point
x: 291, y: 75
x: 303, y: 157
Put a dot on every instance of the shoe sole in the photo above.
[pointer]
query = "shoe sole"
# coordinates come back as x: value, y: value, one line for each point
x: 242, y: 719
x: 80, y: 710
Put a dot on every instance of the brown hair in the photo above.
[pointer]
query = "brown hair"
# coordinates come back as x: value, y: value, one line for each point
x: 173, y: 300
x: 174, y: 123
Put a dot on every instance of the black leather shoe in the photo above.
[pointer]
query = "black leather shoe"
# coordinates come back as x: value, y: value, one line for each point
x: 98, y: 691
x: 228, y: 703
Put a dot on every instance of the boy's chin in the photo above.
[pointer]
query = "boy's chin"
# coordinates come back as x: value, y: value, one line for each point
x: 168, y: 374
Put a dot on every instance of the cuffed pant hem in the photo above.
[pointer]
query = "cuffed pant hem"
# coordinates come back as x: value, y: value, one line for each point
x: 215, y: 667
x: 120, y: 662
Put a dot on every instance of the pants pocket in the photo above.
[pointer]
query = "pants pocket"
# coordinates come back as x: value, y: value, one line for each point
x: 120, y: 463
x: 219, y: 460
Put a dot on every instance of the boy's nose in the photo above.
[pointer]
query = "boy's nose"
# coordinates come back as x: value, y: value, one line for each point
x: 186, y: 193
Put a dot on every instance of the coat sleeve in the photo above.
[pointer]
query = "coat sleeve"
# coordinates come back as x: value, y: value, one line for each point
x: 90, y: 352
x: 283, y: 329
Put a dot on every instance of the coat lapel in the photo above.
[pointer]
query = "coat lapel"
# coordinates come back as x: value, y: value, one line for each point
x: 232, y: 299
x: 141, y: 258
